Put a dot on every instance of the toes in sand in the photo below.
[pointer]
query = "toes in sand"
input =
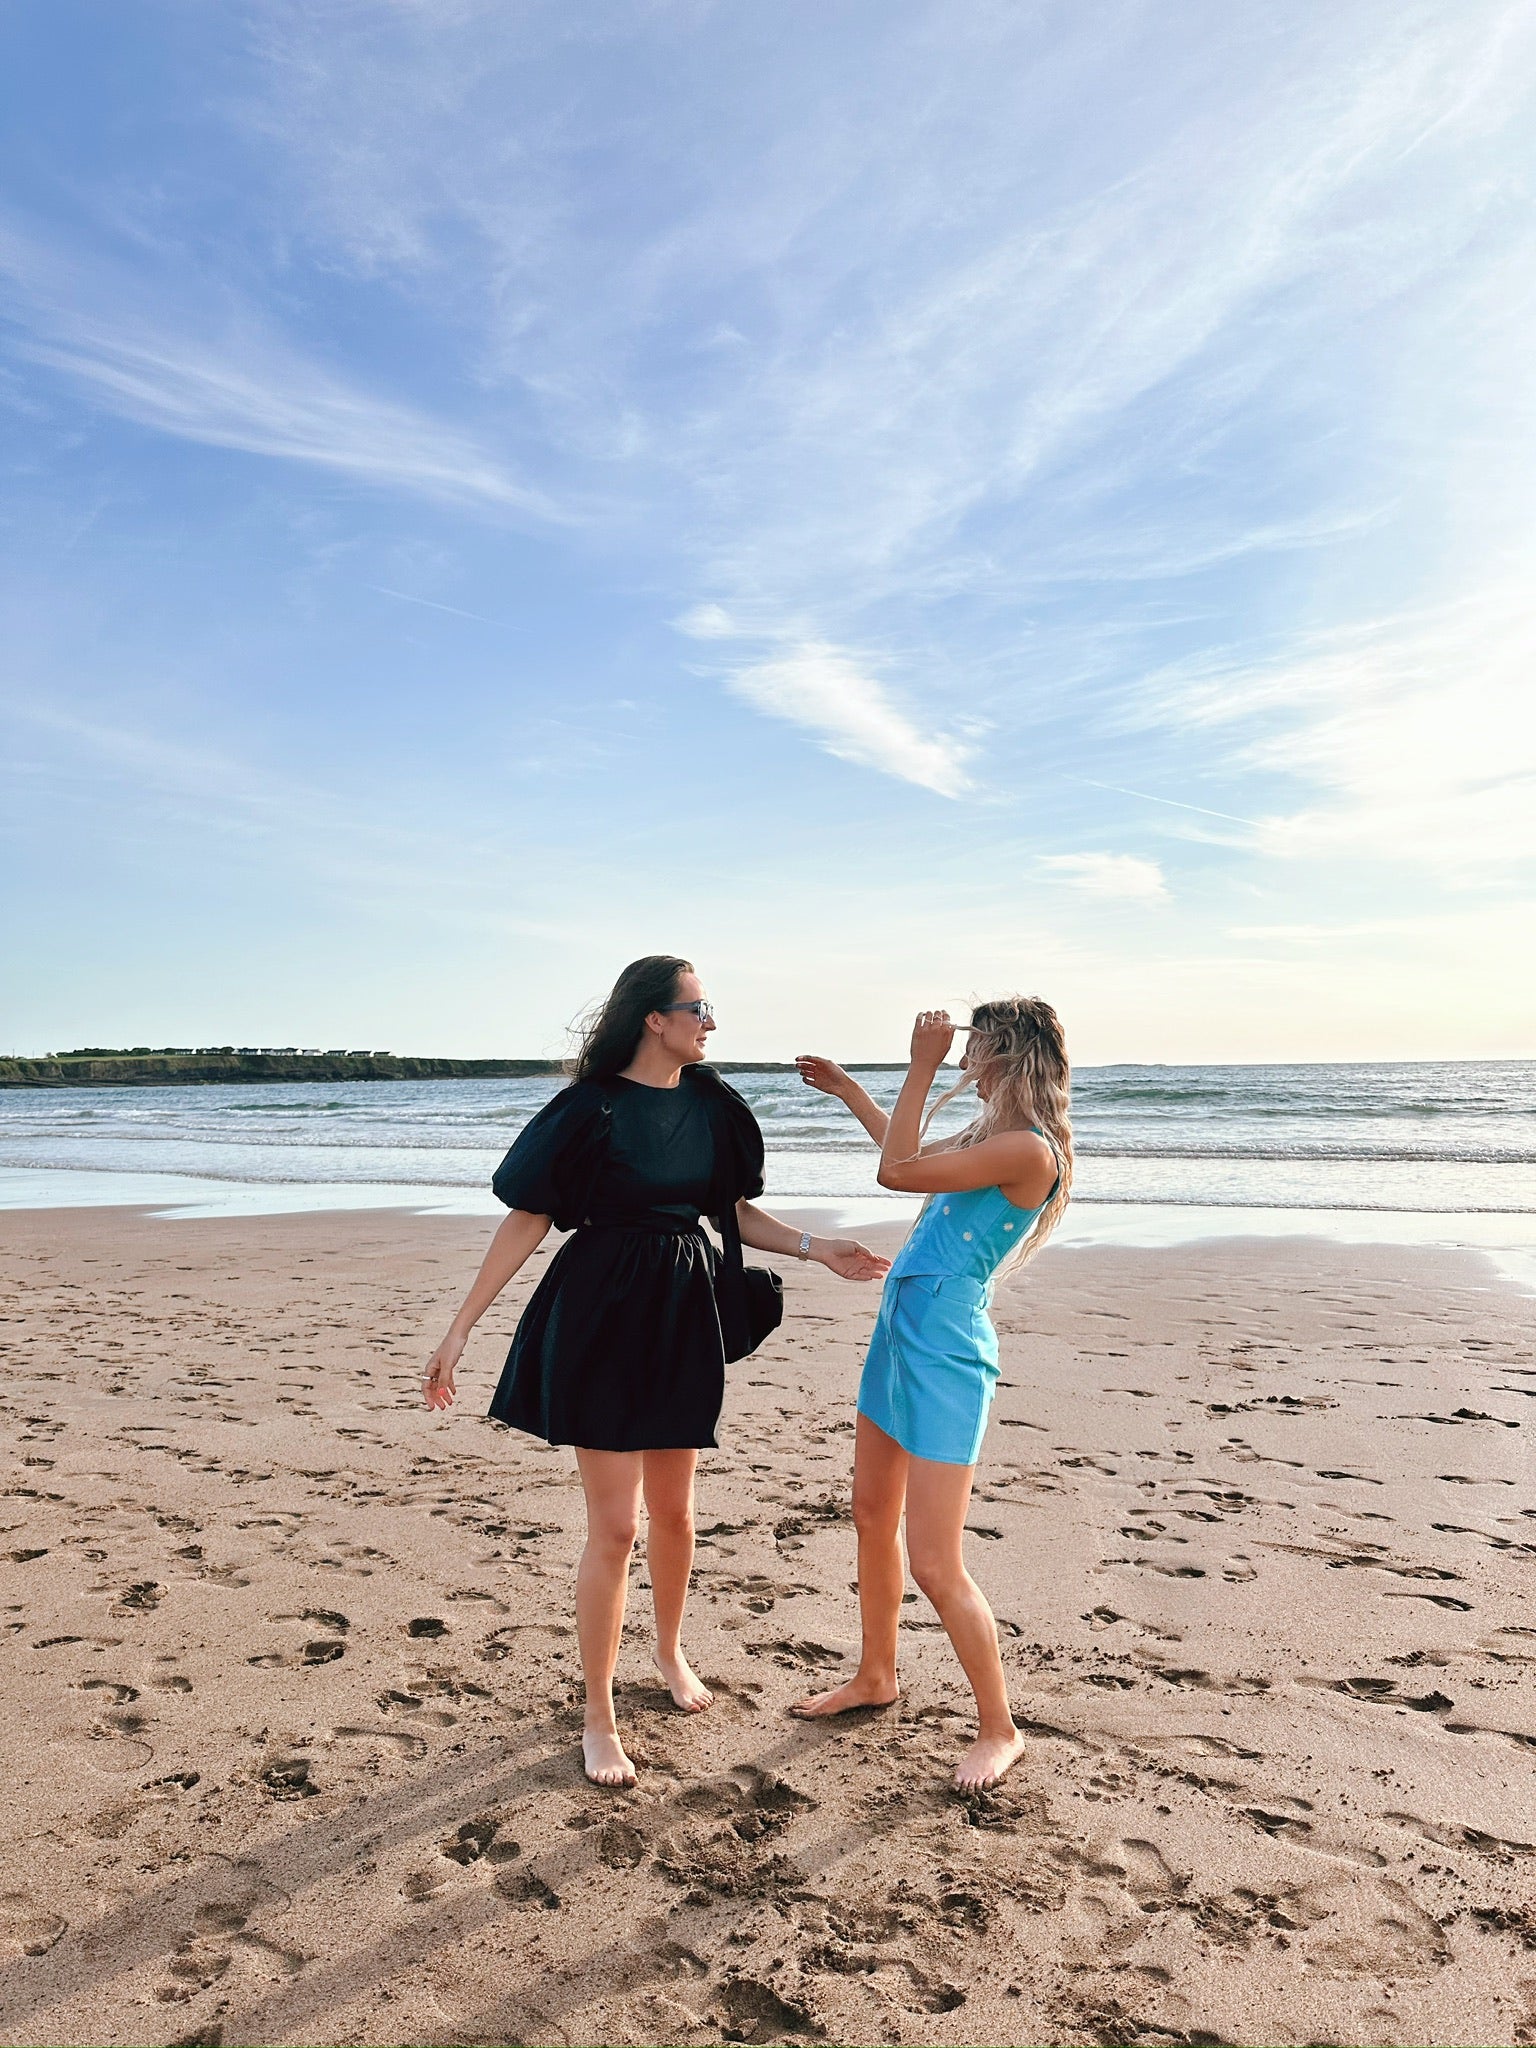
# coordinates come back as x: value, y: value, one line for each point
x: 603, y: 1757
x: 987, y: 1761
x: 688, y: 1690
x: 842, y: 1699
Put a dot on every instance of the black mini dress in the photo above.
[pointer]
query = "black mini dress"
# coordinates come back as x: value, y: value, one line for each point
x: 620, y: 1347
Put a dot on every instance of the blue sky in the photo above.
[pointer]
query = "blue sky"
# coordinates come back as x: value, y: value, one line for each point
x: 895, y: 501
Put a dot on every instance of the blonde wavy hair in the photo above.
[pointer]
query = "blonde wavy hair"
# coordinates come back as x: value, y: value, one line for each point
x: 1018, y: 1044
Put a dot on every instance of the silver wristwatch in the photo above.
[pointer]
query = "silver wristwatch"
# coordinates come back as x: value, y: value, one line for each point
x: 804, y: 1251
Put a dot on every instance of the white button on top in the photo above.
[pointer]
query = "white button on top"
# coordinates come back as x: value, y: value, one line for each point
x: 946, y: 1208
x: 1007, y: 1226
x: 966, y: 1235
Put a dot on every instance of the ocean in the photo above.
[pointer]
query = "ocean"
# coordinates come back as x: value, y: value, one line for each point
x: 1444, y: 1142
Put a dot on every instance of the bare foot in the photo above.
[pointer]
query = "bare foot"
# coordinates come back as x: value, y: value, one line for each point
x: 842, y: 1699
x: 606, y: 1764
x: 988, y: 1761
x: 688, y: 1690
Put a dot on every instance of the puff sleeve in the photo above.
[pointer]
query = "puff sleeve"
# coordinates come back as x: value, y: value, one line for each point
x: 738, y: 1141
x: 556, y: 1157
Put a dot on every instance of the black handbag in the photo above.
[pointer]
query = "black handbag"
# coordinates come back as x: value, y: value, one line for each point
x: 750, y: 1299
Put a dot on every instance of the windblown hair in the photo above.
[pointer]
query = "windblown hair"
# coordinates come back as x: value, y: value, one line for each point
x: 610, y: 1033
x: 1017, y: 1042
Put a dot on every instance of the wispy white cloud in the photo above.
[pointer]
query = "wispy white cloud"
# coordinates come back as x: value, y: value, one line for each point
x: 1412, y: 735
x: 707, y: 622
x: 829, y: 694
x: 265, y: 401
x: 1125, y: 875
x: 224, y: 380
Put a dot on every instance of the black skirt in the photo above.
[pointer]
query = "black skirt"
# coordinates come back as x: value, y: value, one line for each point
x: 619, y: 1347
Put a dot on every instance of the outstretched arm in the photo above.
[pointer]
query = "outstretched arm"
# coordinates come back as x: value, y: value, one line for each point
x: 841, y: 1255
x: 831, y: 1079
x: 517, y: 1238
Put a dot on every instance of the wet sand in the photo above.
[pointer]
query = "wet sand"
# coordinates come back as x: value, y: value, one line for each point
x: 290, y: 1677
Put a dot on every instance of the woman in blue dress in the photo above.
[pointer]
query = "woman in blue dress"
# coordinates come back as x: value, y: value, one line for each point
x: 994, y: 1192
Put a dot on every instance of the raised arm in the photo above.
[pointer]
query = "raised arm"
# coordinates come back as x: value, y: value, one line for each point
x: 518, y: 1236
x: 1019, y: 1162
x: 831, y: 1079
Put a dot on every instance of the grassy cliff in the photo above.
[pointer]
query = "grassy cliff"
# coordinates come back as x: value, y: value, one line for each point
x: 103, y: 1069
x: 99, y: 1067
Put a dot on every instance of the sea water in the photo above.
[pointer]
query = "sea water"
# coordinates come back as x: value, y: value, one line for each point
x: 1447, y: 1140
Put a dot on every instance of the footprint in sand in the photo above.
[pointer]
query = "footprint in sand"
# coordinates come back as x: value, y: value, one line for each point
x: 288, y: 1778
x: 474, y: 1842
x: 119, y: 1692
x: 143, y: 1597
x: 1384, y: 1692
x: 1300, y: 1834
x: 325, y: 1649
x: 112, y: 1744
x: 1448, y: 1835
x: 621, y: 1846
x: 522, y: 1888
x: 471, y: 1841
x: 27, y: 1926
x: 797, y: 1655
x: 1198, y: 1745
x: 750, y: 2010
x: 321, y: 1651
x: 1139, y: 1866
x: 383, y: 1738
x: 193, y: 1966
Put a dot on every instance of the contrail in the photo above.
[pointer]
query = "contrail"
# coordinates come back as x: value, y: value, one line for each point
x: 432, y: 604
x: 1172, y: 802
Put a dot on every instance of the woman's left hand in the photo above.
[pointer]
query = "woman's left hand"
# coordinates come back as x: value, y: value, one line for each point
x: 932, y: 1036
x: 849, y: 1259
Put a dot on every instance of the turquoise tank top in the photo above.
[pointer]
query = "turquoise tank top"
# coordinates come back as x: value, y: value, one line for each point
x: 968, y: 1233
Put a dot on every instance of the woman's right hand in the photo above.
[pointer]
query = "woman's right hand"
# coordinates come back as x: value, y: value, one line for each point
x: 823, y: 1074
x: 438, y: 1386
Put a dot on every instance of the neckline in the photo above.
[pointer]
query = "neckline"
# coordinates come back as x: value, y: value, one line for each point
x: 652, y: 1087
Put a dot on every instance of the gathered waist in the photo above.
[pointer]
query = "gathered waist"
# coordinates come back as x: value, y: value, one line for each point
x: 651, y: 1225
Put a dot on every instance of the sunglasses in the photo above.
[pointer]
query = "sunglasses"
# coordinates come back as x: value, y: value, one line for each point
x: 705, y: 1012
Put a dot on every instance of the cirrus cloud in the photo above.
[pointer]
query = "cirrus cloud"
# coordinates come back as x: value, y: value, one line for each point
x: 826, y: 692
x: 1110, y: 874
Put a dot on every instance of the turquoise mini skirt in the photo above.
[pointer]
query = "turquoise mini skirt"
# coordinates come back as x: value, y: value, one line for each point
x: 931, y: 1371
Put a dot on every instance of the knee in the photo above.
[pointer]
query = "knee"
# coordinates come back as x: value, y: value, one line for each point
x: 937, y: 1572
x: 613, y: 1537
x: 875, y: 1520
x: 672, y: 1521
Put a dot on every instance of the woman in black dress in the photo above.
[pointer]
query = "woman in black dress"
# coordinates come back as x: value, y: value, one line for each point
x: 620, y: 1350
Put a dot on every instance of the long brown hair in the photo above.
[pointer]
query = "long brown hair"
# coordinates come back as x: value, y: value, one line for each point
x: 610, y: 1033
x: 1018, y: 1043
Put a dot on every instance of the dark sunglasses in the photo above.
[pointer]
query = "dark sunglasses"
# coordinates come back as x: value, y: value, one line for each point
x: 705, y: 1012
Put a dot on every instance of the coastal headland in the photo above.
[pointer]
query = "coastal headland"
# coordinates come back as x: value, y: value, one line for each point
x: 144, y: 1069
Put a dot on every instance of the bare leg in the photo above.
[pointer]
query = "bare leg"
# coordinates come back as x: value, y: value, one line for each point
x: 669, y: 1553
x: 937, y: 1499
x: 611, y: 1481
x: 879, y: 1489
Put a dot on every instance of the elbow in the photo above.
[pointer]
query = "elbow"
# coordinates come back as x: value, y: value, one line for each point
x: 889, y: 1175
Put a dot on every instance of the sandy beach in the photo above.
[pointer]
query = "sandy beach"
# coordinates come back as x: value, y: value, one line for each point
x: 290, y: 1672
